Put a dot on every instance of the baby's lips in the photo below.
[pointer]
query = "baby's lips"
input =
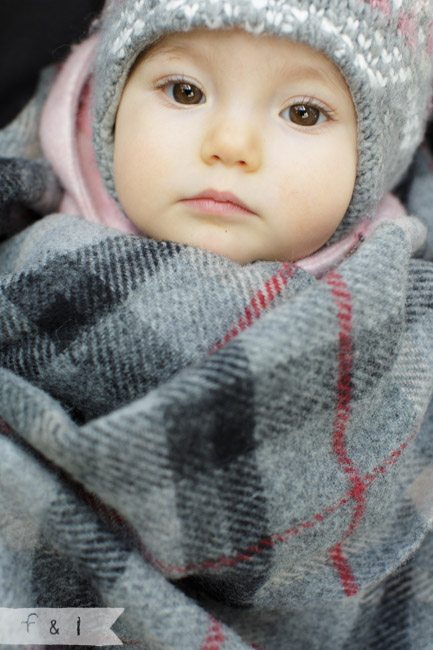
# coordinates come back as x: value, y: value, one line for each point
x: 222, y: 197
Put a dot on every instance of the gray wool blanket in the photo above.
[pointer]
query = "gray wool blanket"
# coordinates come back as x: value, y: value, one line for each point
x: 240, y: 457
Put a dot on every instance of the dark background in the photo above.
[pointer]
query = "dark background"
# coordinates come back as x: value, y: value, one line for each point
x: 35, y: 33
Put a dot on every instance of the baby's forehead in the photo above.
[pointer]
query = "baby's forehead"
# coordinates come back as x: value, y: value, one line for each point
x: 280, y: 54
x: 198, y: 42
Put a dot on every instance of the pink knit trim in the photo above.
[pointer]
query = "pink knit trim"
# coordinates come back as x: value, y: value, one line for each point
x: 383, y: 5
x: 65, y: 135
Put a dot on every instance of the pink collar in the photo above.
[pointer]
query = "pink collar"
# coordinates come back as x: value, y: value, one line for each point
x: 66, y: 138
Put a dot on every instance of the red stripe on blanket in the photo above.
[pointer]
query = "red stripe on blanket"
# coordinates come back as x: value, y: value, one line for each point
x: 264, y: 543
x: 5, y: 429
x: 342, y: 566
x: 215, y: 636
x: 251, y: 551
x: 391, y: 460
x: 343, y: 301
x: 259, y: 302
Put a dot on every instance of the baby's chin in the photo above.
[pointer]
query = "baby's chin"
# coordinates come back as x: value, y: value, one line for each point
x: 234, y: 243
x: 244, y: 254
x: 228, y: 242
x: 235, y: 251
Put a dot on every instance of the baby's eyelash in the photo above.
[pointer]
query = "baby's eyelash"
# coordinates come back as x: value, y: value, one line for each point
x: 175, y: 79
x: 315, y: 103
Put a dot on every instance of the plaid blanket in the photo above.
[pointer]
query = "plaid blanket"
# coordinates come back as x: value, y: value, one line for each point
x: 240, y: 457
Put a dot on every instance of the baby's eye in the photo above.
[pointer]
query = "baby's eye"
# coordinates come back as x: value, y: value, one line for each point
x: 304, y: 114
x: 185, y: 93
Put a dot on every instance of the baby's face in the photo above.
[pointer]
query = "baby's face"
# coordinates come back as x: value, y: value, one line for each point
x: 242, y: 145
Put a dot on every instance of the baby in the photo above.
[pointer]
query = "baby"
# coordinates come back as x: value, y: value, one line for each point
x: 252, y: 433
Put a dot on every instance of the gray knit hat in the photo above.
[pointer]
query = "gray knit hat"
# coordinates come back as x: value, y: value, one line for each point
x: 382, y: 47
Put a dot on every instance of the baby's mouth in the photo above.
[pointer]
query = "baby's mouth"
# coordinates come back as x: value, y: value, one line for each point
x: 218, y: 203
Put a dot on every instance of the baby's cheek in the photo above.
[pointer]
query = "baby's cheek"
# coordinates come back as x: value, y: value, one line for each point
x: 309, y: 217
x: 293, y: 197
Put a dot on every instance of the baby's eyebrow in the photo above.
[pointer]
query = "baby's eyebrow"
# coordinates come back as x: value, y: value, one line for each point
x: 160, y: 48
x: 306, y: 72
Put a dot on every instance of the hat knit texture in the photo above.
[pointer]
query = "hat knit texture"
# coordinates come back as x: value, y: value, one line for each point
x: 382, y: 47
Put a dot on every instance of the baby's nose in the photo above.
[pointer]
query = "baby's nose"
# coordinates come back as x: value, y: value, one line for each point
x: 232, y: 142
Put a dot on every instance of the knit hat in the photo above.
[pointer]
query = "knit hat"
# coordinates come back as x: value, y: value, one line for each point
x: 382, y: 47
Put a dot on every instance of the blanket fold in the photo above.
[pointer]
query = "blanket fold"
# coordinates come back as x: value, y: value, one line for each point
x: 252, y: 435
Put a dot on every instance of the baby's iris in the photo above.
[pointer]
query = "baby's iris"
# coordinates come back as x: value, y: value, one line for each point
x: 186, y: 93
x: 304, y: 114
